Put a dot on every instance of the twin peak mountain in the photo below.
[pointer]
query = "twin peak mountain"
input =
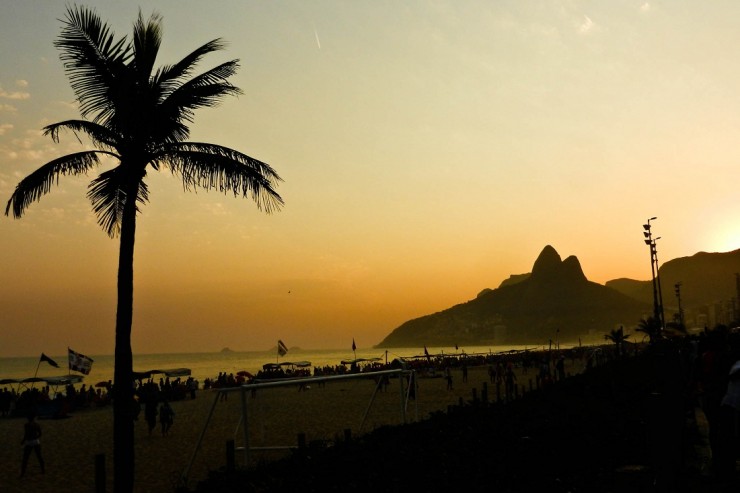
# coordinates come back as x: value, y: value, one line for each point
x: 554, y: 301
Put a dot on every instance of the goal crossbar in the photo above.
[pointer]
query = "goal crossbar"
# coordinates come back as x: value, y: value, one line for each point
x: 248, y: 388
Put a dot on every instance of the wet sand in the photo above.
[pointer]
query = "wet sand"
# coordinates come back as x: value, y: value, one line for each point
x: 276, y: 417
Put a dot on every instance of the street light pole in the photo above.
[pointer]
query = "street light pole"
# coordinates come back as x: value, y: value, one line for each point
x: 660, y: 291
x: 680, y: 310
x: 653, y: 264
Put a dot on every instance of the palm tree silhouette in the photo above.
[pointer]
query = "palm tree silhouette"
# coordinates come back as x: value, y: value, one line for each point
x: 618, y: 337
x: 137, y: 117
x: 651, y: 327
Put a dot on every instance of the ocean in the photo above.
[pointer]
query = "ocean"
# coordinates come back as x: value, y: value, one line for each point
x: 208, y: 365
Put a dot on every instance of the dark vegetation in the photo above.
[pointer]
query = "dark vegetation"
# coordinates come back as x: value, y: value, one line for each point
x: 621, y: 427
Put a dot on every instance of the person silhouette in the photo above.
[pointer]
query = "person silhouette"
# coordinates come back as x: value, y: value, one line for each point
x: 31, y: 443
x: 166, y: 417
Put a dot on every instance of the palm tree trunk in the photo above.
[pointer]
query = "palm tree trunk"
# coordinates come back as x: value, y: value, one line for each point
x: 123, y: 422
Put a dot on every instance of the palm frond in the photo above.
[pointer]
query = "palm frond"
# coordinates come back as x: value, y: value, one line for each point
x: 100, y: 135
x: 202, y: 91
x: 92, y: 58
x: 39, y: 183
x: 108, y: 196
x: 210, y: 166
x: 169, y: 76
x: 147, y: 40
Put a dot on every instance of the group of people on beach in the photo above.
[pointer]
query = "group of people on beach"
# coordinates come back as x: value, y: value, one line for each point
x: 165, y: 413
x: 14, y: 402
x: 155, y: 400
x: 171, y: 390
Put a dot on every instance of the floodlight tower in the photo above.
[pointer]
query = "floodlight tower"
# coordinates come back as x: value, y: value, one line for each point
x: 650, y: 241
x: 660, y: 290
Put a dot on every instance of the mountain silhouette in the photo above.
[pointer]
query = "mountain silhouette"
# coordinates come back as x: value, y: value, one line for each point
x: 706, y: 279
x: 554, y: 302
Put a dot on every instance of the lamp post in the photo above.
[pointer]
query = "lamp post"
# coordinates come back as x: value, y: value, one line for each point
x: 657, y: 295
x: 680, y: 309
x: 660, y: 291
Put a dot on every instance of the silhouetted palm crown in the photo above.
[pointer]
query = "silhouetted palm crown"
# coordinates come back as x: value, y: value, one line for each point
x: 140, y: 117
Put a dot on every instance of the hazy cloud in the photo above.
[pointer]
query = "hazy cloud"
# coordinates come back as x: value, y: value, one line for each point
x: 4, y: 127
x: 54, y: 213
x: 217, y: 209
x: 68, y: 104
x: 645, y: 7
x: 7, y: 108
x: 14, y: 95
x: 21, y: 83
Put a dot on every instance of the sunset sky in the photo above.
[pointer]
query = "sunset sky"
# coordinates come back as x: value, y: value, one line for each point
x: 428, y: 150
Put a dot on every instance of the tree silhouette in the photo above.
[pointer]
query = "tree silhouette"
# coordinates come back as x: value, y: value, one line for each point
x: 618, y: 338
x: 651, y: 327
x: 138, y: 118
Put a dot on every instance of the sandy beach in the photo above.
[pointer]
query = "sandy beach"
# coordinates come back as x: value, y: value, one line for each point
x: 276, y: 417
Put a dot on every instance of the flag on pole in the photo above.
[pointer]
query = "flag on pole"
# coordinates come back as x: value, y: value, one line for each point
x: 354, y: 346
x: 79, y: 362
x: 426, y: 353
x: 48, y: 360
x: 282, y: 348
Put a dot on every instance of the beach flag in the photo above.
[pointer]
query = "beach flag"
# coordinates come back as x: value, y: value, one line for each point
x: 354, y: 346
x: 79, y: 362
x: 426, y: 353
x: 282, y: 348
x: 48, y: 360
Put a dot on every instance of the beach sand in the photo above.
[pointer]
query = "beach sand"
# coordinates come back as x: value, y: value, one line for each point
x: 276, y: 417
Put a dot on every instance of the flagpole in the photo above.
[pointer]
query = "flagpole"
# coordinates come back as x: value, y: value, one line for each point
x: 36, y: 373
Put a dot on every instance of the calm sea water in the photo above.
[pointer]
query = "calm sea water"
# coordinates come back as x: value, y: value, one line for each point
x: 208, y: 365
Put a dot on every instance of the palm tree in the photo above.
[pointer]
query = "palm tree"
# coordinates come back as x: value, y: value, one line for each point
x: 651, y: 327
x: 137, y: 118
x: 618, y: 337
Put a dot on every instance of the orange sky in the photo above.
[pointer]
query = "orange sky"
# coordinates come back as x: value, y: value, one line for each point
x: 428, y: 151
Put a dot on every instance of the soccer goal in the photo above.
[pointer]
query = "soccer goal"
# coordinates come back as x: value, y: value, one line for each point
x: 407, y: 392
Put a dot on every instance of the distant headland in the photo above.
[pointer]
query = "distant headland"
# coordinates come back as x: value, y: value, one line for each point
x: 556, y: 302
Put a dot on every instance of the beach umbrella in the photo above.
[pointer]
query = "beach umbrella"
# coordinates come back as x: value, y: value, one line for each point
x: 101, y: 384
x: 175, y: 372
x: 244, y: 373
x: 33, y: 380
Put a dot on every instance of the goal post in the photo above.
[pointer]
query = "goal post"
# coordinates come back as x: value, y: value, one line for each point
x: 407, y: 392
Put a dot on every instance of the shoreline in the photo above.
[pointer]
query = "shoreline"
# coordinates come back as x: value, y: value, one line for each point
x: 276, y: 418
